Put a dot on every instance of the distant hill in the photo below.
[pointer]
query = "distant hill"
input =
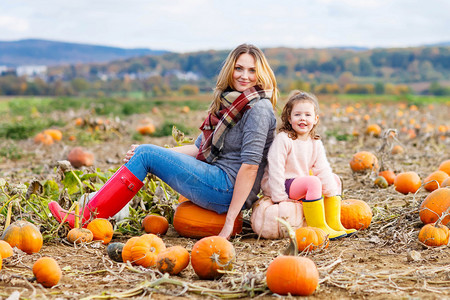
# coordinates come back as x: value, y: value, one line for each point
x: 51, y: 53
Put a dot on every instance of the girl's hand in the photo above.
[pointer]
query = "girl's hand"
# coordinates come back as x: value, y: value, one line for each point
x: 130, y: 153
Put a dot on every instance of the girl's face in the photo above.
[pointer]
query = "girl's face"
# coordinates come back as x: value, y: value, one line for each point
x: 244, y: 74
x: 303, y: 118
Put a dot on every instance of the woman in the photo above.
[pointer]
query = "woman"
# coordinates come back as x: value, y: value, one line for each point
x: 222, y: 171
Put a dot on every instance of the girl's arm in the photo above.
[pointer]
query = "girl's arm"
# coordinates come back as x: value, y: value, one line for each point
x: 244, y: 183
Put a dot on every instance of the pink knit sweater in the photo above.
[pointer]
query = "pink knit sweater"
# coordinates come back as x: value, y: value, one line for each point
x: 290, y: 158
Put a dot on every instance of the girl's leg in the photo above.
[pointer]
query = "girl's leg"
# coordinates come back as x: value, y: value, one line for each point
x: 206, y: 185
x: 309, y: 188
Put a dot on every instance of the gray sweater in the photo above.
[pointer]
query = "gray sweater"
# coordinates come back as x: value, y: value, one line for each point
x: 248, y: 142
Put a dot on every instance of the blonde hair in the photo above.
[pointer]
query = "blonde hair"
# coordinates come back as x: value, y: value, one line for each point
x: 265, y: 78
x: 295, y: 97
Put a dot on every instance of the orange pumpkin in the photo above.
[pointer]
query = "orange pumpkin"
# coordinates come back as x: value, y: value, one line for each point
x: 293, y: 275
x: 211, y: 254
x: 126, y: 251
x: 407, y: 182
x: 355, y: 214
x: 434, y: 235
x: 42, y: 138
x: 445, y: 166
x: 192, y: 221
x: 101, y: 229
x: 23, y: 235
x: 146, y: 249
x: 397, y: 149
x: 311, y: 238
x: 373, y: 129
x: 363, y: 161
x: 147, y: 129
x: 78, y: 157
x: 439, y: 176
x: 47, y: 271
x: 388, y: 175
x: 173, y: 260
x: 80, y: 235
x: 446, y: 182
x: 5, y: 250
x: 434, y: 205
x: 54, y: 133
x: 155, y: 224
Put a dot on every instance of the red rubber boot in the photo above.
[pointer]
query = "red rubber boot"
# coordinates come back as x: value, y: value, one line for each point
x: 108, y: 201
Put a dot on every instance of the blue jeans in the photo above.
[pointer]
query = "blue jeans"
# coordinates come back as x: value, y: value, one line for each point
x: 205, y: 185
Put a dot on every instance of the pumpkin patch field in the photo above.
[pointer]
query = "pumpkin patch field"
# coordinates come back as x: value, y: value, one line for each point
x: 391, y: 153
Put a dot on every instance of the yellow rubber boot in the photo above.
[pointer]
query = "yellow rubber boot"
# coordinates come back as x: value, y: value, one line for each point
x: 315, y: 217
x: 333, y: 214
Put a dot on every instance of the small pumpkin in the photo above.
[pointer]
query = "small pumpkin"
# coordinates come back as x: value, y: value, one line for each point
x: 146, y: 129
x: 146, y: 249
x: 155, y: 224
x: 381, y: 182
x: 293, y: 275
x: 373, y: 129
x: 364, y: 161
x: 397, y: 149
x: 311, y: 238
x: 434, y: 205
x: 43, y: 138
x: 355, y: 214
x: 388, y: 175
x: 211, y: 254
x: 101, y: 229
x: 190, y: 220
x: 5, y: 250
x: 23, y: 235
x: 173, y: 260
x: 78, y: 157
x: 114, y: 251
x: 407, y: 182
x: 434, y: 235
x: 80, y: 235
x: 47, y: 271
x: 265, y: 212
x: 431, y: 179
x: 54, y: 133
x: 126, y: 251
x: 445, y: 166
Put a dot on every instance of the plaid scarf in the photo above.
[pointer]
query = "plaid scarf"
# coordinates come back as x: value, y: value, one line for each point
x: 233, y: 106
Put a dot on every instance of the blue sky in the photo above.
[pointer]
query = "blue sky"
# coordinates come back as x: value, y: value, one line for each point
x: 192, y: 25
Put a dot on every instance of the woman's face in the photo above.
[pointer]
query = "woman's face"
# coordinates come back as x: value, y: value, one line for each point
x: 244, y: 74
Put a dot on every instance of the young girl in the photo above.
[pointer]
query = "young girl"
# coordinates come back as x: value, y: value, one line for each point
x: 295, y: 151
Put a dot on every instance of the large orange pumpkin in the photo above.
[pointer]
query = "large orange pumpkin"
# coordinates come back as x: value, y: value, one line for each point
x: 47, y: 271
x: 434, y: 205
x: 293, y: 275
x: 434, y: 235
x: 190, y: 220
x: 155, y: 224
x: 438, y: 176
x: 407, y: 182
x: 355, y: 214
x: 173, y: 260
x: 126, y: 251
x: 146, y: 249
x: 311, y: 238
x: 101, y: 229
x: 211, y: 254
x: 23, y: 235
x: 364, y: 161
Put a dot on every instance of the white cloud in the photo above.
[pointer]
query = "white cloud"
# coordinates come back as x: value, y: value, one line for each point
x: 13, y: 24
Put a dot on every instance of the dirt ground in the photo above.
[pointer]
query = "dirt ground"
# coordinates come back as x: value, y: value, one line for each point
x: 384, y: 261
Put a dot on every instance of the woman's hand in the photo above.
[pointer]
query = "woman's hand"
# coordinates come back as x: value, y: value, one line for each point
x: 130, y: 153
x: 226, y: 231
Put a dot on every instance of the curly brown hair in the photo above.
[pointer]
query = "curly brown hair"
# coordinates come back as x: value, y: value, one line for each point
x: 295, y: 97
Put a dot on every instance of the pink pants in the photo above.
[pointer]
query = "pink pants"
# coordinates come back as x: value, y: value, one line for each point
x: 308, y: 188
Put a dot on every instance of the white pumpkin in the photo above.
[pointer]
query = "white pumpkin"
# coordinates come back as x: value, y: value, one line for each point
x: 264, y: 213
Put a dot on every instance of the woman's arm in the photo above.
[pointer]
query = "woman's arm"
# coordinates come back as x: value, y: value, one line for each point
x: 244, y: 183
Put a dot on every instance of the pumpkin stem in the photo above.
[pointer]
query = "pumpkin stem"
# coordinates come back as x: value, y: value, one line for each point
x: 8, y: 215
x: 444, y: 214
x: 292, y: 249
